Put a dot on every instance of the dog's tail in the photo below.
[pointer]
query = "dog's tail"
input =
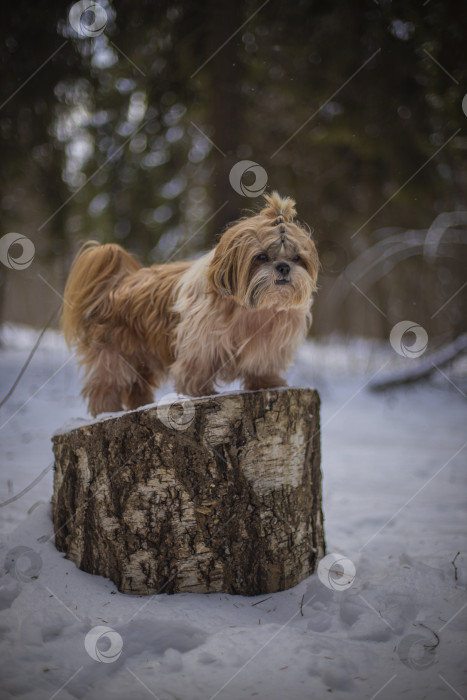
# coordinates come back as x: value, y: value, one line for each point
x: 87, y: 299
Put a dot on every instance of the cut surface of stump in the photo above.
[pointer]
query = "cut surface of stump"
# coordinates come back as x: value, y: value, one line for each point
x: 214, y: 494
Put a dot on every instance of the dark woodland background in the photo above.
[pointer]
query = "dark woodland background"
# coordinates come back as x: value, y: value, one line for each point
x: 104, y: 142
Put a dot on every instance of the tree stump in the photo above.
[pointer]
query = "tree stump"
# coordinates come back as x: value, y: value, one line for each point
x: 214, y: 494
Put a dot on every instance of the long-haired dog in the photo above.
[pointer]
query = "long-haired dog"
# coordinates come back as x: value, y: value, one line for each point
x: 238, y: 312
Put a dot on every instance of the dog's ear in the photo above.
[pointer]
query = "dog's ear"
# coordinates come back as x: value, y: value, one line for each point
x: 223, y: 270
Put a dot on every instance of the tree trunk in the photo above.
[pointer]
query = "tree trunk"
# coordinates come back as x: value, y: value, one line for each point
x: 215, y: 494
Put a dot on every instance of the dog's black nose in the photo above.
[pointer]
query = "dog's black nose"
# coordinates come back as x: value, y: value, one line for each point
x: 283, y: 268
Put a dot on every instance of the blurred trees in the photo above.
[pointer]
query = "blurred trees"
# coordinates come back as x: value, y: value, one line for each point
x: 130, y: 136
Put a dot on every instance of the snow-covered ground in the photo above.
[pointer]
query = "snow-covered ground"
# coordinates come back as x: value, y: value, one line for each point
x: 394, y: 504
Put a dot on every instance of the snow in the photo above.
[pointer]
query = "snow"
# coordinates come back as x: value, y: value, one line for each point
x: 394, y: 483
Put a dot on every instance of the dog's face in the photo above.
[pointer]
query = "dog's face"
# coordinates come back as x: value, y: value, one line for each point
x: 263, y: 262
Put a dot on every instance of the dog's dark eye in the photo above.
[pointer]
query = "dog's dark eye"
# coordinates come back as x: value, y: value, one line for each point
x: 297, y: 258
x: 262, y: 257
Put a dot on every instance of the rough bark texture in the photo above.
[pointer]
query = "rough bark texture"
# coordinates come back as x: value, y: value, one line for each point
x: 227, y: 500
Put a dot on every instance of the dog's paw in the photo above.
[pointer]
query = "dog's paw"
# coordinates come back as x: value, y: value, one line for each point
x: 263, y: 382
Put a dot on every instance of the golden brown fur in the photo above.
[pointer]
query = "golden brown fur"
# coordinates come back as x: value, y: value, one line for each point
x: 229, y: 314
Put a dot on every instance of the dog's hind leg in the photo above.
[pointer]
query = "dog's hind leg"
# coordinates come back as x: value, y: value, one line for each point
x: 142, y: 390
x: 109, y: 379
x: 102, y: 398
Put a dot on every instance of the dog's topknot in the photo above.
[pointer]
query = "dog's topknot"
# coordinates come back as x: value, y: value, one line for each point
x: 278, y: 207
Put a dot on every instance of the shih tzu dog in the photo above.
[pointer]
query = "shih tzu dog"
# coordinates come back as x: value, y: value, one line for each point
x: 238, y: 312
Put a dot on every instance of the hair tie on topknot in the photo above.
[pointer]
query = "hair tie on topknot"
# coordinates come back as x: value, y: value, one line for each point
x: 282, y: 208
